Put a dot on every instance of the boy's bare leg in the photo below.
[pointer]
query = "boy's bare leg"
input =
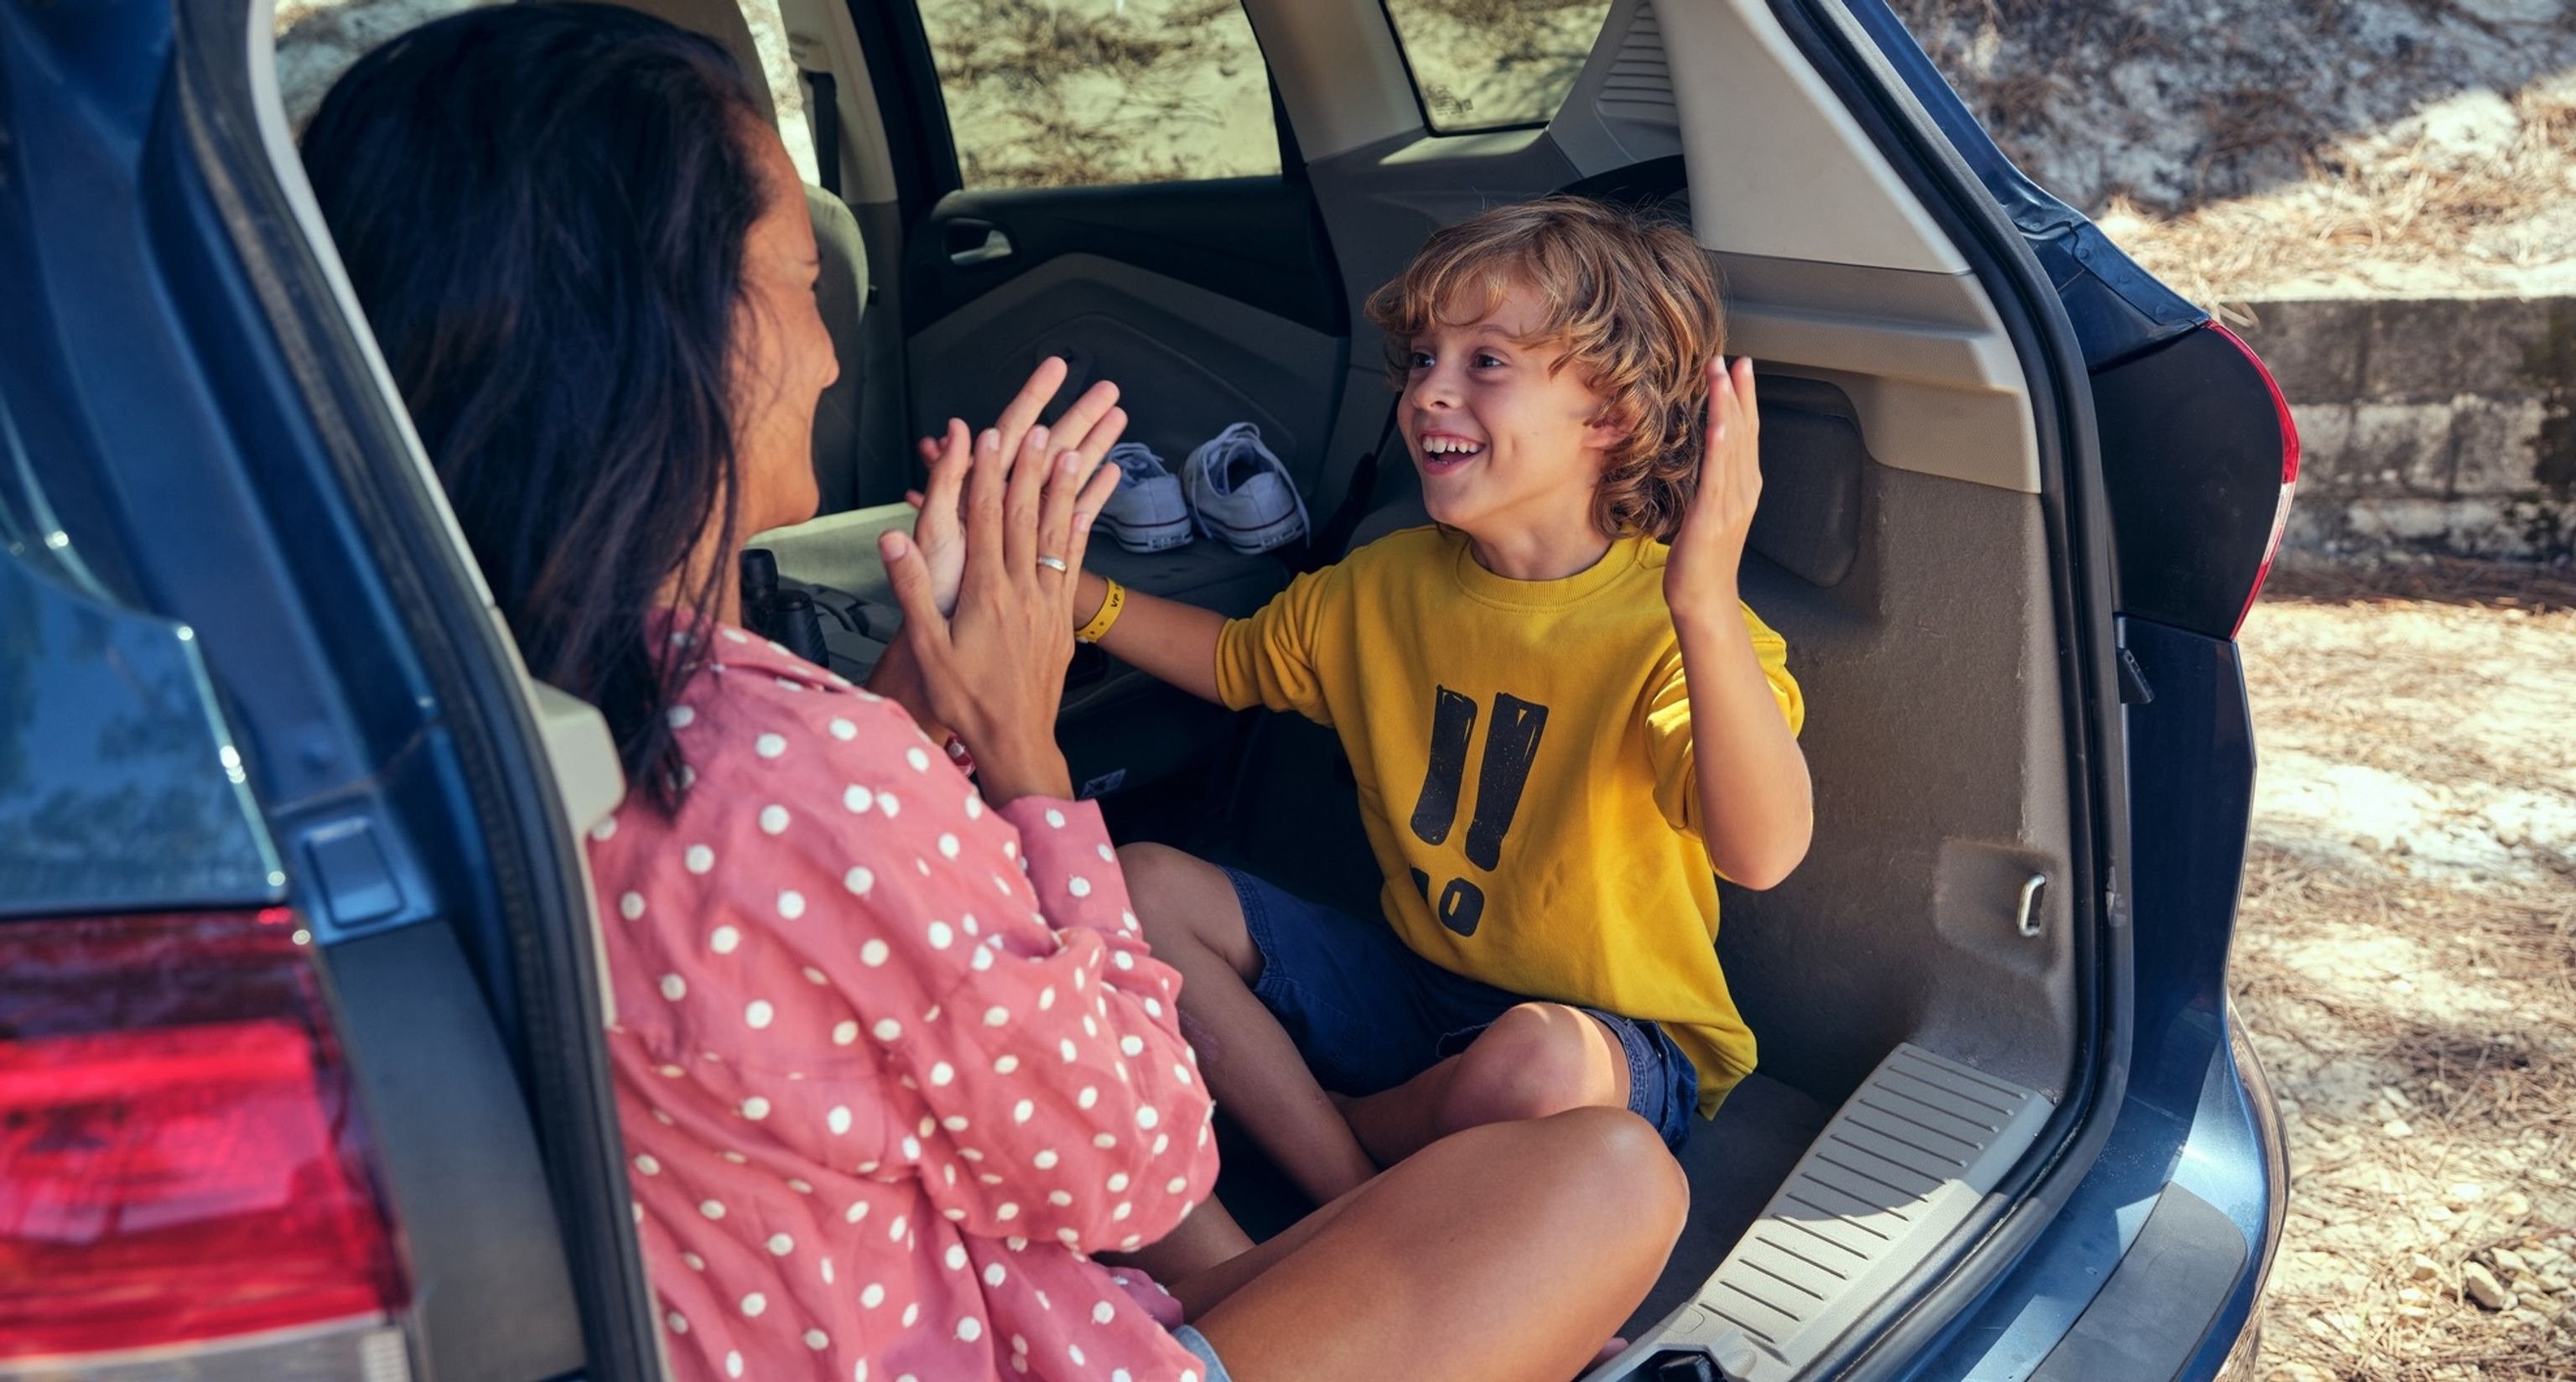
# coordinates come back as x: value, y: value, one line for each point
x: 1537, y: 1059
x: 1194, y: 922
x: 1505, y: 1252
x: 1209, y: 1236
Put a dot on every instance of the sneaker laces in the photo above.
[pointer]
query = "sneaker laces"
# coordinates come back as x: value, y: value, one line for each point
x: 1212, y: 467
x: 1138, y: 461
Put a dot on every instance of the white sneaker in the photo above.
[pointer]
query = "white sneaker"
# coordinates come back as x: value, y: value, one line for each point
x: 1241, y: 494
x: 1146, y: 512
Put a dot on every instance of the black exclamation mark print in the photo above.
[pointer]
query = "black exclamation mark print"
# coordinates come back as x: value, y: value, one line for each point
x: 1453, y: 719
x: 1511, y: 745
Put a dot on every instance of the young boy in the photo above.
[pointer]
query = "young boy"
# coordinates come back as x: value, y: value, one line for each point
x: 1559, y: 723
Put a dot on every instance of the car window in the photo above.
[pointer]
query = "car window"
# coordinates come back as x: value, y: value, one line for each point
x: 1492, y: 64
x: 317, y: 40
x: 786, y: 85
x: 1073, y: 93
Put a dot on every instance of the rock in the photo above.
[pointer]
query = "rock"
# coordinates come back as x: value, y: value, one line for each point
x: 2533, y: 1318
x: 2422, y: 1268
x: 2414, y: 1312
x: 2412, y: 1295
x: 2397, y: 1127
x: 2465, y: 1193
x: 2466, y: 127
x: 2479, y: 1284
x: 2555, y: 1284
x: 2513, y: 1204
x: 2507, y: 1262
x: 2528, y: 1288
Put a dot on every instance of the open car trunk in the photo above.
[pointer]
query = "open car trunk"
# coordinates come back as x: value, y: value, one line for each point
x: 1928, y: 987
x: 1921, y: 986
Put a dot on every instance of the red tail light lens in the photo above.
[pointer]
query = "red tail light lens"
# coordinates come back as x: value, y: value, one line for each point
x: 179, y: 1159
x: 2289, y: 473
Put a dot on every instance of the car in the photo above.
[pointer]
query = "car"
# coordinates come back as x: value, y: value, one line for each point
x: 300, y: 1001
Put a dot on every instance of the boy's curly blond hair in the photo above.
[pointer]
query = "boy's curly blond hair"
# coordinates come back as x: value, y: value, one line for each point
x: 1631, y: 301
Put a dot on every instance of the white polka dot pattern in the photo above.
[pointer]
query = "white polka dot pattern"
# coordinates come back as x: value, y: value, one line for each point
x: 826, y: 1021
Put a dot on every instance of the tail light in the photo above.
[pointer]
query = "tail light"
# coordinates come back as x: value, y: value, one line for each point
x: 2289, y: 472
x: 181, y: 1165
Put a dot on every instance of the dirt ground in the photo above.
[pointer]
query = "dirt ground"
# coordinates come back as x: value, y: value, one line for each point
x: 2406, y: 963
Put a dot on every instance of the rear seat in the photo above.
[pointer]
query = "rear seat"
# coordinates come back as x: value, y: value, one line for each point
x: 843, y: 291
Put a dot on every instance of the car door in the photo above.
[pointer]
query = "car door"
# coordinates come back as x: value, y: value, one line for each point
x: 1109, y: 184
x: 299, y: 1024
x: 1112, y: 184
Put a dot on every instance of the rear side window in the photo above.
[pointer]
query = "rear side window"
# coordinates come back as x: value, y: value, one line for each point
x: 317, y: 40
x: 1076, y: 93
x: 1493, y: 64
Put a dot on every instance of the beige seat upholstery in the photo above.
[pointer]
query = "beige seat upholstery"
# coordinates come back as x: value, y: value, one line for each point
x: 722, y: 21
x: 843, y: 291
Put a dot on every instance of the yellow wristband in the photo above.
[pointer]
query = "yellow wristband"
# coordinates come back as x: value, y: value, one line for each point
x: 1098, y: 628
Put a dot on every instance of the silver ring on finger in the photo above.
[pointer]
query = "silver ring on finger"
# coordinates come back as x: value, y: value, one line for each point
x: 1056, y: 564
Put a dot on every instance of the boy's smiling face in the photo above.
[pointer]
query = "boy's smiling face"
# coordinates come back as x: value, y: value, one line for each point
x: 1509, y: 451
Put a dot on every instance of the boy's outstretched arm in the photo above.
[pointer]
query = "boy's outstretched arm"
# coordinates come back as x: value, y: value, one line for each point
x: 1171, y: 640
x: 1757, y: 807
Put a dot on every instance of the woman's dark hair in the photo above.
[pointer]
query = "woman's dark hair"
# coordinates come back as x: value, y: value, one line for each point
x: 542, y: 207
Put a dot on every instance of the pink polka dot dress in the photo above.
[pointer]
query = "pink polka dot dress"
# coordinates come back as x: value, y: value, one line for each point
x: 890, y: 1064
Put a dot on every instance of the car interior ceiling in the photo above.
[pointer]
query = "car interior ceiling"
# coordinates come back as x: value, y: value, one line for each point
x: 1900, y: 548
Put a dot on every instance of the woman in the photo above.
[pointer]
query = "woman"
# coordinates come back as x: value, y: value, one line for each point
x: 891, y: 1061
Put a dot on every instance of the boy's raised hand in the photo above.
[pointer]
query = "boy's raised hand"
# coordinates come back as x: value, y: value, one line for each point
x: 1700, y: 572
x: 1090, y: 427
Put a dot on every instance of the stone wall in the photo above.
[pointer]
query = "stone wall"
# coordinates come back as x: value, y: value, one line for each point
x: 2435, y: 425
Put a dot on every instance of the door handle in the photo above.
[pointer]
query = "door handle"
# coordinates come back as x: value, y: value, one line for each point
x: 966, y: 249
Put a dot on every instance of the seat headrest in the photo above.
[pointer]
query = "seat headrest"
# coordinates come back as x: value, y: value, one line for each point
x: 722, y: 21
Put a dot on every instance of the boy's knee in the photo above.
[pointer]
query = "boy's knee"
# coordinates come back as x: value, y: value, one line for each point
x: 1148, y: 868
x: 1184, y: 900
x: 1537, y: 1059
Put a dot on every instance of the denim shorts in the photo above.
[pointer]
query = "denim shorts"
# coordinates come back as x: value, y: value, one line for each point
x: 1368, y: 1014
x: 1198, y: 1345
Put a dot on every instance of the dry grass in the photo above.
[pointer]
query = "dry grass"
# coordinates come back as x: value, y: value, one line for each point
x: 2499, y: 586
x: 2406, y: 961
x: 1481, y: 63
x: 2401, y: 201
x: 2247, y: 148
x: 1043, y: 93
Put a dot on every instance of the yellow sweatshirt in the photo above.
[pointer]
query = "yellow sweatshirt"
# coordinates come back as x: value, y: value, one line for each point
x: 1523, y: 751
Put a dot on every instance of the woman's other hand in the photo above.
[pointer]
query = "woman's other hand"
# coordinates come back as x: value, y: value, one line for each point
x: 993, y: 667
x: 1090, y: 427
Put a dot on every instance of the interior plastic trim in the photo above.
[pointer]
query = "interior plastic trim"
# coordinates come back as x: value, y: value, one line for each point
x: 1902, y: 1164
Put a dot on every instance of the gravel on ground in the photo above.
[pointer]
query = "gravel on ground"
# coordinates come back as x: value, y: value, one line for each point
x: 2406, y: 964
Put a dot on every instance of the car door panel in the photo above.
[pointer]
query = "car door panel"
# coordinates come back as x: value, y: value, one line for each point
x: 1208, y: 304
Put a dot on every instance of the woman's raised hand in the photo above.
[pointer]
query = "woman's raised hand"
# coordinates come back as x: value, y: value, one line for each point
x: 992, y: 666
x: 1089, y: 428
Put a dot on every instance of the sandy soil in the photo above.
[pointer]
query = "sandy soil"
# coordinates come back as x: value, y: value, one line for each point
x: 2406, y: 963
